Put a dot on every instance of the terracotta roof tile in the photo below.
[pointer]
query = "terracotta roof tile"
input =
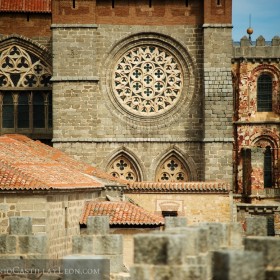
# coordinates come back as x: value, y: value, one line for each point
x: 50, y: 154
x: 121, y: 213
x: 184, y: 187
x: 26, y: 6
x: 15, y: 178
x: 27, y: 164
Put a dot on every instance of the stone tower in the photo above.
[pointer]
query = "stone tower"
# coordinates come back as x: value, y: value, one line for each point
x: 144, y: 88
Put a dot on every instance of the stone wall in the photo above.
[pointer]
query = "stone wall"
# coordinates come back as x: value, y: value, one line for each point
x: 255, y: 130
x: 218, y: 102
x: 56, y: 215
x: 89, y: 121
x: 195, y: 207
x: 86, y: 111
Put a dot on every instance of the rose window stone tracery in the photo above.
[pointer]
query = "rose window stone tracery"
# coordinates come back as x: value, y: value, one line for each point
x: 147, y: 80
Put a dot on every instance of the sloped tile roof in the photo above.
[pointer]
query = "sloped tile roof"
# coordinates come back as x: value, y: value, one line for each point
x: 184, y: 187
x: 52, y: 154
x: 121, y: 214
x: 27, y: 164
x: 25, y: 6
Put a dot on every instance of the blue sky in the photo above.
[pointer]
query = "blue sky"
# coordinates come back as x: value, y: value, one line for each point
x: 265, y: 18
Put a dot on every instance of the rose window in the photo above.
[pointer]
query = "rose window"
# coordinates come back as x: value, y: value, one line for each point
x: 147, y: 80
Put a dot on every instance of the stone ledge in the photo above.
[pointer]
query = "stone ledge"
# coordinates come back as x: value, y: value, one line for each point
x: 217, y: 25
x: 94, y: 26
x: 75, y: 79
x: 210, y: 140
x: 125, y: 140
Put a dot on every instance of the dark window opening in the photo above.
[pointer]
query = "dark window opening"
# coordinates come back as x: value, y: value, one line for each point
x: 74, y: 4
x: 267, y: 168
x: 219, y: 3
x: 264, y: 93
x: 169, y: 213
x: 246, y: 171
x: 187, y: 3
x: 150, y: 3
x: 50, y: 120
x: 113, y: 3
x: 8, y: 111
x: 23, y: 110
x: 38, y: 110
x: 26, y: 110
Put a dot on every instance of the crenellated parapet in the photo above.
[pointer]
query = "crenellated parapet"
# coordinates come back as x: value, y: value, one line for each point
x: 258, y: 51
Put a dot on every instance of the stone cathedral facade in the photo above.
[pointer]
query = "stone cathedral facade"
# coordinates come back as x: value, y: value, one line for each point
x: 146, y: 90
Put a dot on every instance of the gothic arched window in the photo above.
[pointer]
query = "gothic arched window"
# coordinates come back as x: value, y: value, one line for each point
x: 122, y: 168
x: 264, y: 93
x: 25, y: 92
x: 172, y: 170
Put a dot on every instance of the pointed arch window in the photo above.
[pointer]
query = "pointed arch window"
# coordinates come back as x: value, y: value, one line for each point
x: 123, y: 168
x: 25, y: 91
x: 172, y: 170
x: 264, y: 93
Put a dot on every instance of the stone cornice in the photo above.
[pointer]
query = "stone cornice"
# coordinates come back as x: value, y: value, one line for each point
x: 71, y: 26
x: 75, y: 79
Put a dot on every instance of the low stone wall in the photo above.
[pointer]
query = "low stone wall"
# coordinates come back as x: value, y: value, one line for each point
x: 54, y: 214
x: 206, y: 251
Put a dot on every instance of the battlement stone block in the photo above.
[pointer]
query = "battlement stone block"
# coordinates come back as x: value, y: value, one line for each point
x: 98, y: 225
x: 20, y: 225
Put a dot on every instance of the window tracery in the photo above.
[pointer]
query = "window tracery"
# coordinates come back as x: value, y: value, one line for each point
x: 172, y: 170
x: 147, y: 80
x: 122, y: 168
x: 25, y: 91
x: 20, y: 68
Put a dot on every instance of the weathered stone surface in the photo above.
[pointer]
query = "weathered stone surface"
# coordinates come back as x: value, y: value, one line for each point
x: 8, y: 244
x: 191, y: 240
x: 82, y: 244
x: 98, y: 225
x: 194, y: 272
x: 256, y: 226
x: 141, y: 272
x: 98, y: 244
x: 171, y: 222
x: 159, y: 249
x: 218, y: 235
x: 20, y: 225
x: 33, y: 244
x: 86, y: 267
x: 235, y: 235
x: 233, y: 264
x: 269, y: 246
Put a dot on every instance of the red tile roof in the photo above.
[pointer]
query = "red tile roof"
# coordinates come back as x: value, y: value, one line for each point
x: 184, y: 187
x: 121, y: 213
x: 25, y: 6
x: 27, y: 164
x: 52, y: 154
